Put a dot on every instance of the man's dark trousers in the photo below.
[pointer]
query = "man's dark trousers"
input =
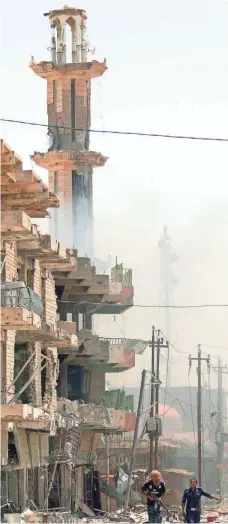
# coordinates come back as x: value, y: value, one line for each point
x: 193, y: 516
x: 154, y: 514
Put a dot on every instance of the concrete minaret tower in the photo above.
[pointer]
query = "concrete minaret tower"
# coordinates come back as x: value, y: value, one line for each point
x: 69, y: 161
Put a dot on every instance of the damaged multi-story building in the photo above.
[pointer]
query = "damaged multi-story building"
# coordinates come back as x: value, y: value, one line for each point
x: 54, y: 414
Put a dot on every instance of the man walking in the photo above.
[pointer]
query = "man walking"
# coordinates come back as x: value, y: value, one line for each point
x: 191, y: 501
x: 153, y: 489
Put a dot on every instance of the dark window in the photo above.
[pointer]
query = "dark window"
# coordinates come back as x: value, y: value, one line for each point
x: 75, y: 381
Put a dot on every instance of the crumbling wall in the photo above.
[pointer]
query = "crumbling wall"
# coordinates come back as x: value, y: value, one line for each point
x: 49, y: 298
x: 90, y: 442
x: 52, y: 372
x: 34, y: 390
x: 7, y: 371
x: 37, y: 278
x: 8, y: 336
x: 10, y: 261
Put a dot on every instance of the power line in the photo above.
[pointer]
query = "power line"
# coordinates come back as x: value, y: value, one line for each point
x: 181, y: 306
x: 115, y: 132
x: 174, y: 347
x: 182, y: 401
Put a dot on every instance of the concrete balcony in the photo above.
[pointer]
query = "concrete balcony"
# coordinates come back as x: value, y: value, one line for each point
x: 121, y: 420
x: 22, y: 310
x: 98, y: 293
x: 21, y: 307
x: 16, y: 225
x: 9, y: 159
x: 50, y: 336
x: 19, y: 318
x: 120, y: 358
x: 47, y: 250
x: 82, y: 284
x: 25, y: 416
x: 94, y: 417
x: 24, y: 190
x: 87, y: 414
x: 69, y: 327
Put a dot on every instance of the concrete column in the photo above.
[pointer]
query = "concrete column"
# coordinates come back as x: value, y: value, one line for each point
x: 42, y: 485
x: 74, y: 43
x: 79, y: 486
x: 83, y: 37
x: 23, y: 491
x: 66, y: 486
x: 61, y: 45
x: 53, y: 50
x: 78, y: 40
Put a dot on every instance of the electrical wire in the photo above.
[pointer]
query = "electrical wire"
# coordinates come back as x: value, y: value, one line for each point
x: 182, y: 401
x: 156, y: 306
x: 172, y: 345
x: 116, y: 132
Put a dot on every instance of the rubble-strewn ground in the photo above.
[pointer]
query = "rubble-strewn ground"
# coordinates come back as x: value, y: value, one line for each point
x: 136, y: 516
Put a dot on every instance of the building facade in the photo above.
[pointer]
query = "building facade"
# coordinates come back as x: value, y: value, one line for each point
x: 53, y: 413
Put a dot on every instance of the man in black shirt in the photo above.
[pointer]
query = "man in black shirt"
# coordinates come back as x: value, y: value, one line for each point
x: 191, y: 501
x: 153, y: 489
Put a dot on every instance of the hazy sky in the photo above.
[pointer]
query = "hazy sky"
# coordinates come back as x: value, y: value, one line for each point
x: 168, y: 73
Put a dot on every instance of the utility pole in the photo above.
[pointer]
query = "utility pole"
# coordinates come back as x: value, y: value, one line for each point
x: 157, y: 386
x: 132, y: 461
x: 199, y: 360
x: 154, y: 395
x: 221, y: 370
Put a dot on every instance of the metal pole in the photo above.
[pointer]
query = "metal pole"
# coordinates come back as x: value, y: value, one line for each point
x: 107, y: 469
x: 132, y: 461
x: 157, y: 400
x: 219, y: 430
x: 152, y: 397
x: 199, y: 418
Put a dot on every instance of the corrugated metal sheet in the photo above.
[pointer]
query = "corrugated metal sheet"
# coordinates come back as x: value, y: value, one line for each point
x: 138, y: 345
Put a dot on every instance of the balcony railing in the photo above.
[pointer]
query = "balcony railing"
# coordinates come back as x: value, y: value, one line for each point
x: 17, y: 294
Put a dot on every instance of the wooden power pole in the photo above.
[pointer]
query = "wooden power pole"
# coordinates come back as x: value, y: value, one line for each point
x: 199, y: 360
x: 157, y: 345
x: 152, y: 396
x: 221, y: 437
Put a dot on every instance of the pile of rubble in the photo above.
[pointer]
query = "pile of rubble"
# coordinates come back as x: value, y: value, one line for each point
x: 136, y: 516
